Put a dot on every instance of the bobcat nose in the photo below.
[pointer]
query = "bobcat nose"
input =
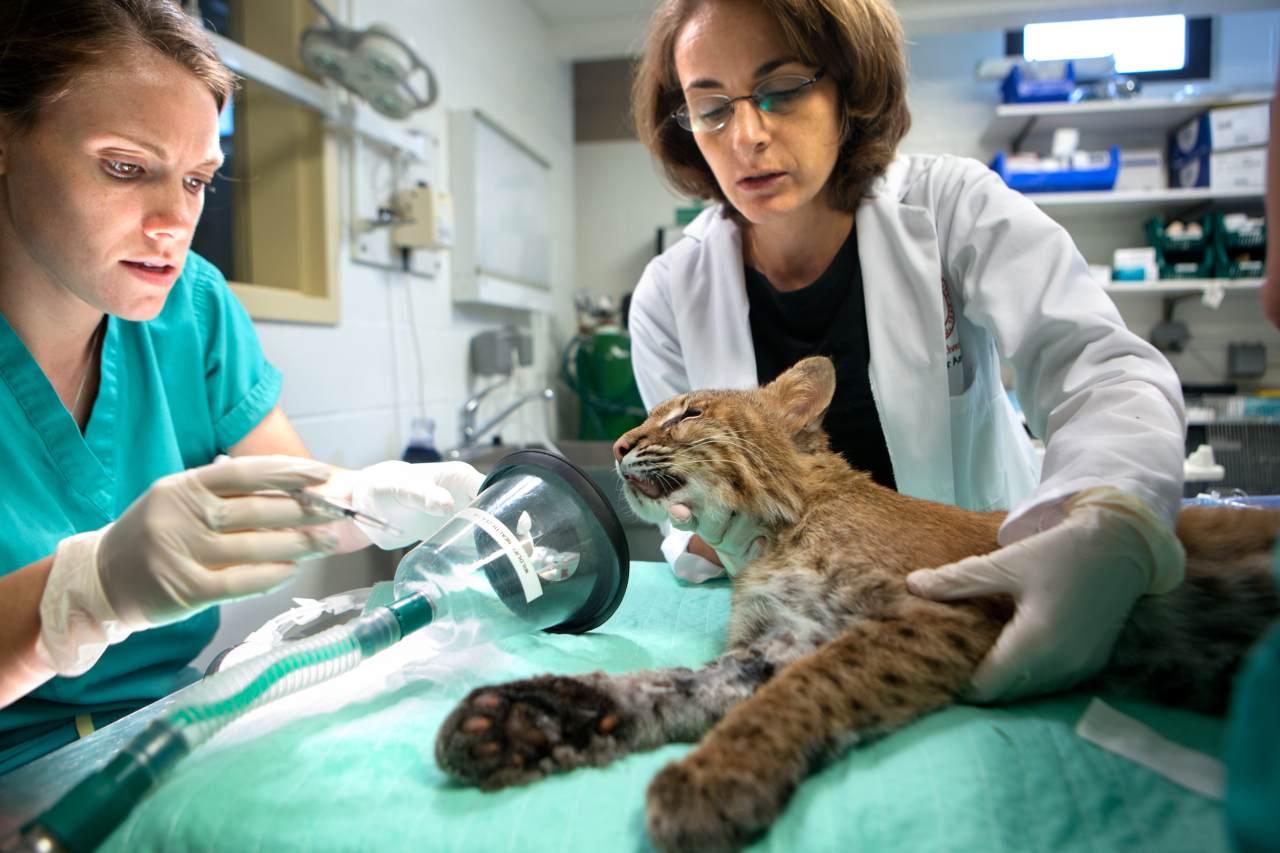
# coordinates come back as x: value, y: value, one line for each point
x: 621, y: 448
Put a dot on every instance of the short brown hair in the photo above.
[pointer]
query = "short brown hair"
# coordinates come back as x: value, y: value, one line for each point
x: 860, y: 45
x: 45, y: 44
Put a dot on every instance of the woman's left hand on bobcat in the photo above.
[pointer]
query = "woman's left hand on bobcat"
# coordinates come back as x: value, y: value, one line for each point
x: 1074, y: 585
x: 737, y: 539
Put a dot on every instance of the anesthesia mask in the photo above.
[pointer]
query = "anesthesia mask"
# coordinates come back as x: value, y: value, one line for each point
x: 540, y: 548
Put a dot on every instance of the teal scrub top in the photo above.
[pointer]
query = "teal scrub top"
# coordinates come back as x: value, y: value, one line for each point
x: 175, y: 392
x: 1253, y: 747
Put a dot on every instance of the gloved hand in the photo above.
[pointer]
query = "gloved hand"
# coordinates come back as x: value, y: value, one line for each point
x: 1074, y: 585
x: 418, y: 499
x: 191, y: 540
x: 737, y: 539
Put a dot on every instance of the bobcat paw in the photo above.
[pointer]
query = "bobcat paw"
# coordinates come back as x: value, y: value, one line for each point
x: 521, y: 731
x: 694, y: 807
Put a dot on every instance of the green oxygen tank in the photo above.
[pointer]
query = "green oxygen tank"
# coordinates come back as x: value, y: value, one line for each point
x: 598, y: 368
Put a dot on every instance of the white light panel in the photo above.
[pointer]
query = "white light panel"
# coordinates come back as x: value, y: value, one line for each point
x: 1155, y: 43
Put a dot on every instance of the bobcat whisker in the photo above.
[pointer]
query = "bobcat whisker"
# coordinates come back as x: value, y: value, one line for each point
x: 697, y: 462
x: 750, y: 450
x: 750, y: 447
x: 719, y: 440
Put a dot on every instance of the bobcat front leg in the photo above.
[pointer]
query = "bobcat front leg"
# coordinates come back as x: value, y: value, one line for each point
x: 875, y: 677
x: 521, y: 731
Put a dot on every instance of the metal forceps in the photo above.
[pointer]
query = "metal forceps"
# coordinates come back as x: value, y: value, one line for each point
x: 341, y: 509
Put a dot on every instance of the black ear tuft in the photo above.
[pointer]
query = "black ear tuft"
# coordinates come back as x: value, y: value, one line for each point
x: 804, y: 392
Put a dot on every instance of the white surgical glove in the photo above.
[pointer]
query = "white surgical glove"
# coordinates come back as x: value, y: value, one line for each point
x: 418, y: 499
x: 737, y: 539
x: 1074, y: 585
x: 191, y: 540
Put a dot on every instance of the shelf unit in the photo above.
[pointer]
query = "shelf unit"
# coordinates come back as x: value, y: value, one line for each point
x: 1183, y: 285
x: 1014, y: 122
x: 1133, y: 203
x: 1101, y: 222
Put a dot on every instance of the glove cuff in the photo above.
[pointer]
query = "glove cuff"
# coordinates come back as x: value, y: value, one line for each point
x: 696, y: 569
x: 77, y: 622
x: 1168, y: 559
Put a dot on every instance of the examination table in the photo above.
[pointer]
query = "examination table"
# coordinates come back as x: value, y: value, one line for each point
x: 347, y: 766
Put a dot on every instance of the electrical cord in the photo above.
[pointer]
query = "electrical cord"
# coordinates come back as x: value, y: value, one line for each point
x: 413, y: 334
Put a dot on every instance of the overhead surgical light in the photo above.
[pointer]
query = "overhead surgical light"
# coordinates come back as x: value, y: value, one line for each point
x: 377, y: 63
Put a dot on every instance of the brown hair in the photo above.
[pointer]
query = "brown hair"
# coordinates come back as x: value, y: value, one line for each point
x: 860, y: 45
x: 45, y: 44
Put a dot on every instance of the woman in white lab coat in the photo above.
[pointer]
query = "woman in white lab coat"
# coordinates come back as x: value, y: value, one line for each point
x: 917, y: 275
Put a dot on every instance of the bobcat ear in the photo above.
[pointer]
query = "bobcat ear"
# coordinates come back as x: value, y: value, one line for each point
x: 804, y: 392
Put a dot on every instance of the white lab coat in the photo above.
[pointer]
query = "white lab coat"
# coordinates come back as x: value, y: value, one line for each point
x: 933, y: 231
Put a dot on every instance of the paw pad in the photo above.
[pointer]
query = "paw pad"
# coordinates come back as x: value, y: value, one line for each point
x: 487, y: 701
x: 488, y: 749
x: 515, y: 733
x: 474, y: 725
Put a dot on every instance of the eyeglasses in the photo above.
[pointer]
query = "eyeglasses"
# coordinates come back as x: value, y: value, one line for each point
x: 778, y: 96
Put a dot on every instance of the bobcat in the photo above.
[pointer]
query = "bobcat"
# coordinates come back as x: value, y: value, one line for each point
x: 826, y: 647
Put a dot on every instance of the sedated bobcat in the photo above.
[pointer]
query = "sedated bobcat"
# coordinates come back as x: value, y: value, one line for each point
x: 826, y: 647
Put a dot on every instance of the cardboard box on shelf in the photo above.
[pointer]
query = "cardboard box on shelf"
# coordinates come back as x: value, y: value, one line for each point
x: 1136, y: 264
x: 1220, y: 129
x: 1239, y: 127
x: 1221, y: 171
x: 1141, y: 169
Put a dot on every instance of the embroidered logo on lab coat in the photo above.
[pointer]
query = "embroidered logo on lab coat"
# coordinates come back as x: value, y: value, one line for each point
x: 955, y: 358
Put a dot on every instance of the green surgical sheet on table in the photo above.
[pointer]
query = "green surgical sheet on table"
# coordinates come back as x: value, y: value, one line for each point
x: 348, y: 766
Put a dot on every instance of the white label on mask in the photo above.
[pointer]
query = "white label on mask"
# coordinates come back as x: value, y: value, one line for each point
x: 510, y: 546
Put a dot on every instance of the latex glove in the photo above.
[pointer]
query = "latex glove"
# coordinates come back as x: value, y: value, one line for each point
x: 193, y: 539
x: 418, y: 499
x: 1074, y: 585
x: 737, y: 539
x: 688, y: 564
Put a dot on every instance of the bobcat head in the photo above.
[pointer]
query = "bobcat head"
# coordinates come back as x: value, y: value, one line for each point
x: 724, y: 451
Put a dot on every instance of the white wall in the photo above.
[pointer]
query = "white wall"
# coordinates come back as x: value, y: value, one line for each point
x: 949, y: 109
x: 621, y: 202
x: 341, y: 383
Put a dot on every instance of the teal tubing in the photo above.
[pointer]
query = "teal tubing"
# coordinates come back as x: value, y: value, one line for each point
x: 90, y: 811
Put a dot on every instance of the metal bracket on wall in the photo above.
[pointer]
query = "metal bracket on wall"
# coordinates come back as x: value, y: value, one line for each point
x: 1015, y: 147
x: 294, y: 88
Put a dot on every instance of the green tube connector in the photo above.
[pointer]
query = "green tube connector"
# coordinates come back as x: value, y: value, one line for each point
x: 383, y: 627
x: 88, y: 814
x: 375, y: 631
x: 413, y: 612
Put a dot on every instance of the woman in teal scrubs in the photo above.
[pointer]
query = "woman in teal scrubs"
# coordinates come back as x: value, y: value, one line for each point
x: 126, y: 367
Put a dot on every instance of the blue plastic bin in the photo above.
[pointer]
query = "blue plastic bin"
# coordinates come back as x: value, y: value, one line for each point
x: 1017, y: 90
x: 1073, y: 180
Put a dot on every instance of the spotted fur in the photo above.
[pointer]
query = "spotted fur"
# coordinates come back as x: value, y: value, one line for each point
x: 826, y: 648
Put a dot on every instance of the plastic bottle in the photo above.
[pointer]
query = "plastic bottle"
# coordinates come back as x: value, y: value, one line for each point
x: 422, y: 442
